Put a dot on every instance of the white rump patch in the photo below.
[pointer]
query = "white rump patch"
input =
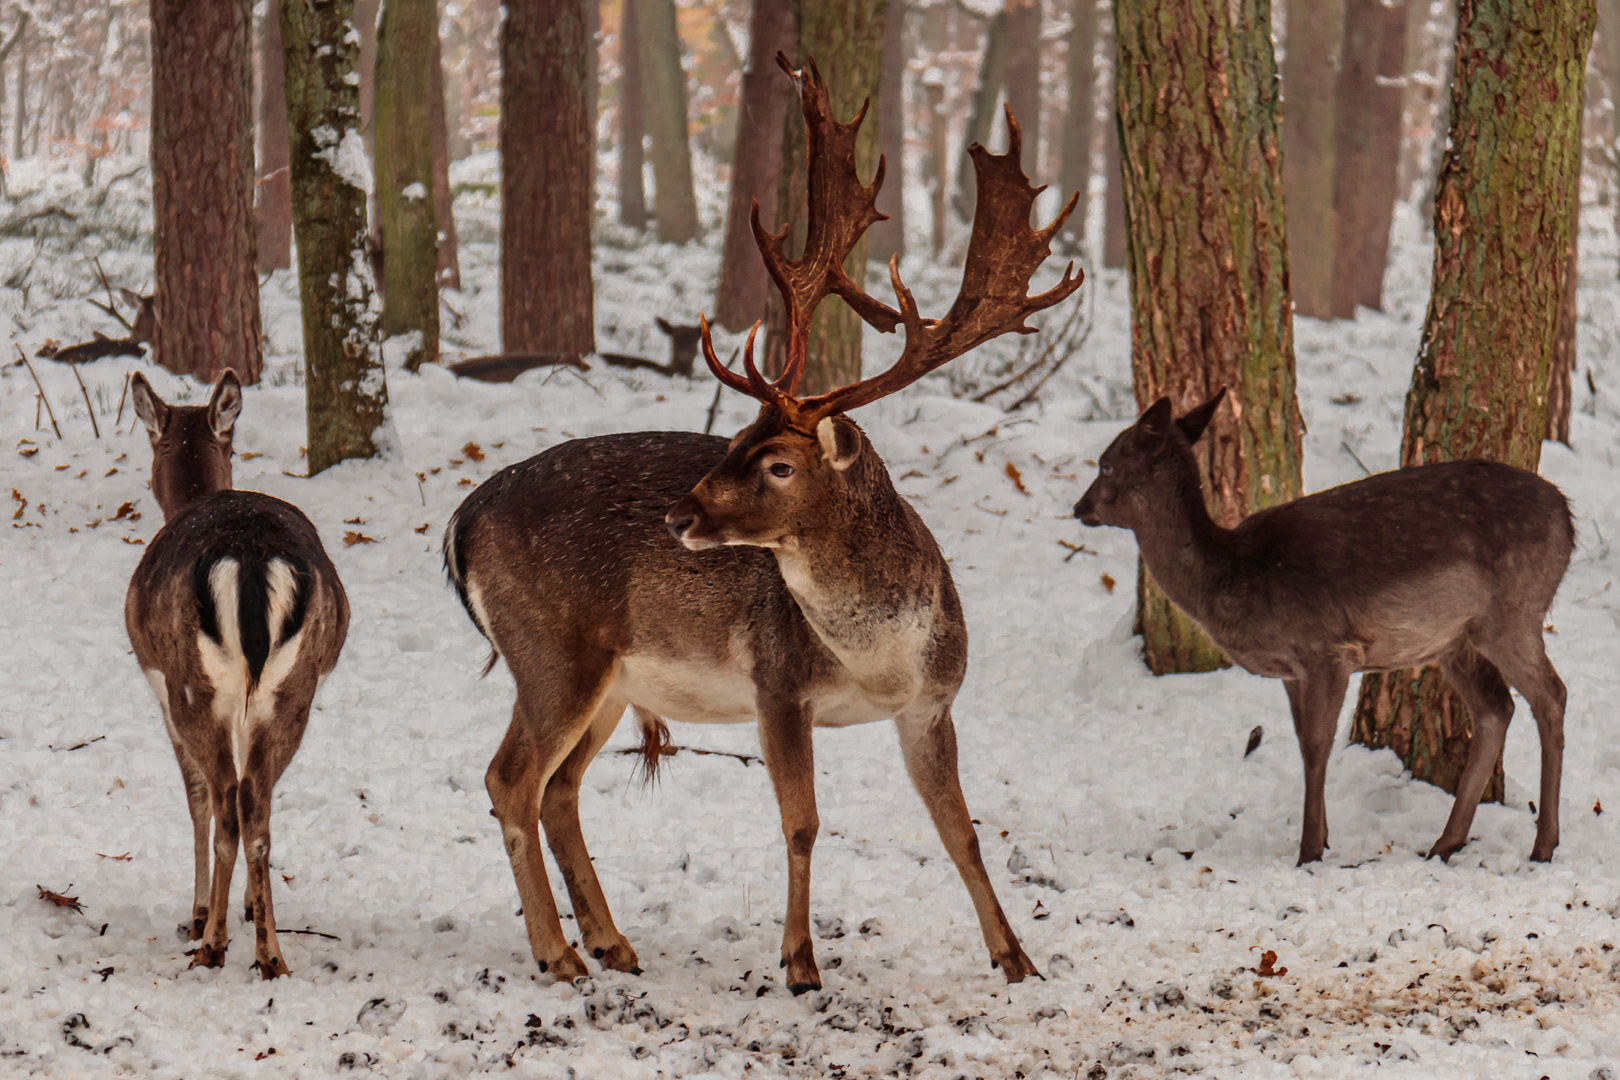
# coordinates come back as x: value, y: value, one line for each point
x: 223, y: 661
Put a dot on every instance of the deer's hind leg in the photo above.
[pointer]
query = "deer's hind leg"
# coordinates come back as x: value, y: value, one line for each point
x: 559, y: 810
x: 1484, y: 691
x: 271, y: 746
x: 1525, y: 666
x: 553, y: 713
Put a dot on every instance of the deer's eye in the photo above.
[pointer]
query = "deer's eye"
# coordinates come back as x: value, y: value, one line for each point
x: 1106, y: 470
x: 781, y: 470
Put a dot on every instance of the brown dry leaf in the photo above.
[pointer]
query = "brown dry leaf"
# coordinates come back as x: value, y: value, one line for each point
x: 22, y: 503
x: 1550, y: 628
x: 354, y: 521
x: 125, y: 857
x: 127, y: 511
x: 1017, y: 478
x: 473, y: 451
x: 28, y: 451
x: 109, y: 472
x: 436, y: 470
x: 63, y: 468
x: 1266, y: 970
x: 289, y: 878
x: 1108, y: 583
x: 132, y: 540
x: 352, y: 538
x: 60, y: 900
x: 249, y: 455
x: 422, y: 528
x: 1597, y: 806
x: 466, y: 481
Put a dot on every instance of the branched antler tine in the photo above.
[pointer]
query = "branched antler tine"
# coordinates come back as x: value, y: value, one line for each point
x: 721, y: 372
x: 758, y: 386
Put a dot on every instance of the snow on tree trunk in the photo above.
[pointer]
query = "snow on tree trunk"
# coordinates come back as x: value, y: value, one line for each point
x: 1074, y: 172
x: 1502, y: 220
x: 346, y: 393
x: 403, y: 153
x: 632, y: 122
x: 846, y: 39
x: 664, y: 105
x: 1208, y: 262
x: 202, y: 189
x: 546, y: 295
x: 449, y: 264
x: 889, y: 237
x: 756, y: 165
x: 1368, y: 150
x: 273, y: 216
x: 1310, y: 70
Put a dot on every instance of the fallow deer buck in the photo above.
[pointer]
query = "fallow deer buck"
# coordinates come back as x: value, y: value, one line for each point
x: 798, y: 590
x: 236, y: 614
x: 1452, y: 564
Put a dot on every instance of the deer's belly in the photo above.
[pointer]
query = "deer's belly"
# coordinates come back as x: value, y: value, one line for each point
x: 698, y: 693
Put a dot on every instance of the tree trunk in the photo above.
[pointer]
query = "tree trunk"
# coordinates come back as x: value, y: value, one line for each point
x: 1368, y: 151
x: 1074, y: 174
x: 1208, y: 259
x: 756, y: 165
x: 938, y: 162
x: 1608, y: 61
x: 1506, y: 195
x: 1114, y: 196
x: 664, y: 100
x: 1023, y: 77
x: 365, y: 22
x: 274, y: 214
x: 846, y: 39
x: 1310, y: 65
x: 889, y: 237
x: 1561, y: 377
x: 632, y: 126
x: 982, y: 116
x: 202, y: 189
x: 449, y: 262
x: 402, y: 123
x: 345, y: 388
x: 20, y: 122
x: 546, y: 297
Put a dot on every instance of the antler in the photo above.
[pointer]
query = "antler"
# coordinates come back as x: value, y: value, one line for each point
x: 1003, y: 253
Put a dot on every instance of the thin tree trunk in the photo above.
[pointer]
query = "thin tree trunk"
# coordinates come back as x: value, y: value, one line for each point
x: 403, y: 140
x: 1561, y: 377
x: 889, y: 237
x: 1310, y: 66
x: 1608, y: 58
x: 664, y: 99
x: 938, y: 162
x: 345, y: 388
x: 1074, y: 174
x: 982, y: 115
x: 632, y: 121
x: 846, y: 39
x: 1114, y: 195
x: 20, y: 123
x: 274, y: 215
x: 366, y: 13
x: 756, y: 165
x: 1023, y: 77
x: 1208, y: 261
x: 1503, y: 209
x: 449, y: 261
x: 1368, y: 151
x: 202, y: 189
x: 546, y: 296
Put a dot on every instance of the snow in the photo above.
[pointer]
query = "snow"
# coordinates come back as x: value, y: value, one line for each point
x: 1146, y: 864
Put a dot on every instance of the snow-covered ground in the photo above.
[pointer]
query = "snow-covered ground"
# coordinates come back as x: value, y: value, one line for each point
x: 1147, y: 865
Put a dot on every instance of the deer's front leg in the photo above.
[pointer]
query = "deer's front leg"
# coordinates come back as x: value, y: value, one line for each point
x: 1315, y: 700
x: 785, y: 738
x: 928, y: 741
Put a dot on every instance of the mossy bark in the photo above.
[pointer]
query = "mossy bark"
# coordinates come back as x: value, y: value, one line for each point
x: 403, y: 139
x: 346, y: 393
x: 846, y: 39
x: 1503, y: 207
x: 1208, y: 261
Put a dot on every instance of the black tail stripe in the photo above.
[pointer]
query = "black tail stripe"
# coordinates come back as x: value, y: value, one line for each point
x: 207, y: 617
x: 253, y: 613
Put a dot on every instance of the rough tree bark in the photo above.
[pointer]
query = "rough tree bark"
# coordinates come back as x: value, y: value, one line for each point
x: 632, y: 122
x: 1310, y: 67
x: 1023, y: 77
x: 1074, y: 173
x: 1561, y: 376
x: 366, y: 13
x: 273, y: 215
x: 346, y: 392
x: 1114, y: 195
x: 202, y: 189
x: 402, y: 140
x: 1368, y: 151
x: 938, y: 161
x: 1503, y: 205
x: 546, y: 296
x: 846, y: 39
x: 443, y: 198
x: 1208, y: 261
x: 982, y: 114
x: 756, y: 165
x: 889, y: 237
x: 664, y: 102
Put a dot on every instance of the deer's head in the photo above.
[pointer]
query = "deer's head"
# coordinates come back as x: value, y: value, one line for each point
x: 683, y: 345
x: 1152, y: 455
x: 797, y: 466
x: 191, y: 444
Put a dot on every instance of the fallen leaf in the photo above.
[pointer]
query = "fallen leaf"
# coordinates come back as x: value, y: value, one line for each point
x: 28, y: 451
x: 289, y: 878
x: 456, y: 462
x: 132, y: 540
x: 436, y: 470
x: 466, y: 481
x: 125, y: 857
x: 127, y: 510
x: 63, y: 468
x: 249, y: 455
x: 110, y: 471
x: 1017, y: 478
x: 71, y: 902
x: 1108, y: 583
x: 1550, y: 628
x: 1597, y: 807
x: 352, y: 538
x: 22, y: 503
x: 422, y: 528
x: 473, y: 451
x: 1266, y: 970
x: 354, y: 521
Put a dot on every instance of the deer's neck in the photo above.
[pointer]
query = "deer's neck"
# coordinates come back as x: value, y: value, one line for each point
x: 1184, y: 548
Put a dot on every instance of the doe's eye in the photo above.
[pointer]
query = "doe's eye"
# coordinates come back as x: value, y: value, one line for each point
x: 1106, y: 470
x: 781, y: 470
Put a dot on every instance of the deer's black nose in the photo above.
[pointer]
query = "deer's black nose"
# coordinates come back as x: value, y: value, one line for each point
x: 681, y: 516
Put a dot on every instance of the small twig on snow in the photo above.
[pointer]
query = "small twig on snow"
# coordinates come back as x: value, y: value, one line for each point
x: 42, y: 395
x: 95, y: 427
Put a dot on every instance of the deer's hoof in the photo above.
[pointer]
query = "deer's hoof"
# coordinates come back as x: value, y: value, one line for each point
x: 1016, y: 966
x: 619, y: 957
x: 1541, y: 854
x: 273, y: 968
x: 799, y: 988
x: 566, y: 967
x: 210, y: 956
x: 1308, y: 856
x: 1444, y: 850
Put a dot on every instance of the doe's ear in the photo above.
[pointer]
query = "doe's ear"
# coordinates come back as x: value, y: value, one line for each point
x: 1154, y: 423
x: 148, y: 406
x: 840, y: 441
x: 1193, y: 424
x: 664, y: 326
x: 225, y: 404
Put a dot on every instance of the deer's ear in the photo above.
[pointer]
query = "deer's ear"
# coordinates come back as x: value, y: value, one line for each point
x: 148, y: 406
x: 1154, y: 423
x: 664, y: 326
x: 1193, y: 424
x: 131, y: 297
x: 225, y: 404
x: 840, y: 441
